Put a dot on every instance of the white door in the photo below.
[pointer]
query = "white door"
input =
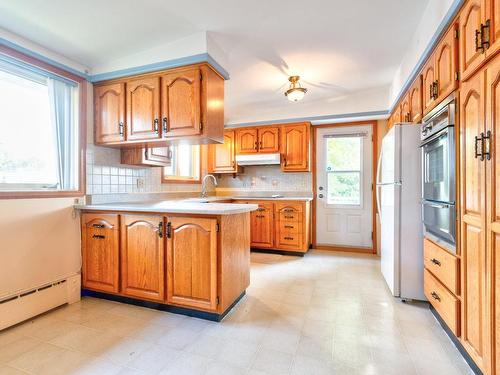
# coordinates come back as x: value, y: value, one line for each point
x: 344, y: 186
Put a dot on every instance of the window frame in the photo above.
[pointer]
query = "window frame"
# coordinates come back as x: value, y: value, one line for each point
x: 360, y: 172
x: 166, y: 179
x: 82, y: 128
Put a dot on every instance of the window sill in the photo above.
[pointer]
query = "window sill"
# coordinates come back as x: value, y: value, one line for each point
x: 40, y: 194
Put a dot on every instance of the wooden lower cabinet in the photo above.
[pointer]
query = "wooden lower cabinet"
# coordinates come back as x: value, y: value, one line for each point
x: 100, y: 247
x: 443, y: 265
x: 192, y: 262
x: 262, y: 226
x: 142, y: 256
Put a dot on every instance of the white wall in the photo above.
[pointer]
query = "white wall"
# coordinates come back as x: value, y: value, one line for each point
x: 431, y: 18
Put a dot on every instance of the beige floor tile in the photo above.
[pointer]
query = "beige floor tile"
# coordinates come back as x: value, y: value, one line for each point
x: 206, y: 346
x: 8, y: 370
x: 17, y: 348
x: 187, y: 364
x: 273, y: 362
x: 223, y: 368
x: 280, y: 341
x: 94, y: 366
x: 178, y: 338
x: 237, y: 353
x: 125, y: 351
x: 154, y: 359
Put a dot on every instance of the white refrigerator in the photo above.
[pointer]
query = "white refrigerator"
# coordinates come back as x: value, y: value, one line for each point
x: 399, y: 187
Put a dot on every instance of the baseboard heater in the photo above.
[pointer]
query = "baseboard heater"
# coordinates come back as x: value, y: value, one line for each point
x: 20, y: 307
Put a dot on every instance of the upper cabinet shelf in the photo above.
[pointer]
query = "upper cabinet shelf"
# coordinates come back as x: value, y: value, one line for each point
x: 156, y: 109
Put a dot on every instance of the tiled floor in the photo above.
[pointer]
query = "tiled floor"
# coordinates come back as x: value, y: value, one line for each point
x: 326, y: 313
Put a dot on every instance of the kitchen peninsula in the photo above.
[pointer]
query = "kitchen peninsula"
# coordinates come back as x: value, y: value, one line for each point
x: 180, y: 256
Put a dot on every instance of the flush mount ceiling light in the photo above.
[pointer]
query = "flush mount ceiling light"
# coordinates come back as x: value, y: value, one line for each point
x: 295, y: 92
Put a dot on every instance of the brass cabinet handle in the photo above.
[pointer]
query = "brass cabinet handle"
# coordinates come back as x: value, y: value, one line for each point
x: 288, y: 210
x: 479, y: 44
x: 260, y: 216
x: 256, y: 145
x: 435, y: 87
x: 289, y: 226
x: 479, y: 140
x: 155, y: 125
x: 160, y: 229
x: 436, y: 262
x: 98, y: 225
x: 486, y: 145
x: 436, y: 296
x: 98, y: 236
x: 288, y: 238
x: 289, y: 217
x: 121, y: 128
x: 169, y: 229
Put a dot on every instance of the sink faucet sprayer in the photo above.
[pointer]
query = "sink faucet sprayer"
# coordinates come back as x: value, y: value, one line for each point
x: 204, y: 184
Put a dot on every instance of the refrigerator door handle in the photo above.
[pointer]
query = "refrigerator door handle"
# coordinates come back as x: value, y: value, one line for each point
x: 379, y: 165
x: 390, y: 183
x: 377, y: 195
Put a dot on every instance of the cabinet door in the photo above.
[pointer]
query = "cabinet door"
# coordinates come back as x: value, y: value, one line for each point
x: 415, y: 97
x: 295, y: 141
x: 109, y: 113
x: 289, y: 225
x: 475, y: 335
x: 269, y: 140
x: 247, y: 141
x: 445, y: 64
x: 470, y: 57
x: 142, y: 258
x: 181, y: 103
x: 159, y: 156
x: 143, y: 108
x: 221, y: 156
x: 493, y: 15
x: 100, y: 252
x: 405, y: 108
x: 397, y: 114
x: 262, y: 228
x: 428, y: 77
x: 192, y: 262
x: 493, y: 194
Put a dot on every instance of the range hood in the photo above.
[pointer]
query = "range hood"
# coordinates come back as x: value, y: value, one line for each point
x: 258, y: 159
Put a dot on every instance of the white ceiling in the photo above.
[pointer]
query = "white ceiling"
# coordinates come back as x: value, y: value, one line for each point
x: 340, y: 48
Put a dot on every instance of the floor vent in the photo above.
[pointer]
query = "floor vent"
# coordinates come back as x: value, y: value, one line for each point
x: 17, y: 308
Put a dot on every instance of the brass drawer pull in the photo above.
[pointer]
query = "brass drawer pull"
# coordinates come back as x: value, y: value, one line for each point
x: 98, y: 236
x: 260, y: 216
x: 436, y: 296
x: 436, y: 262
x: 288, y: 238
x: 261, y: 209
x: 288, y: 210
x: 289, y: 217
x: 289, y: 226
x: 98, y: 225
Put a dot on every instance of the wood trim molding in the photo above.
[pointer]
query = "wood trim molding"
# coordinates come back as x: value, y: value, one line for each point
x: 373, y: 250
x: 82, y: 121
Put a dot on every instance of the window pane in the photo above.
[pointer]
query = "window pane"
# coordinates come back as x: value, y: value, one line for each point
x: 185, y: 163
x: 28, y: 147
x: 343, y: 154
x: 344, y: 188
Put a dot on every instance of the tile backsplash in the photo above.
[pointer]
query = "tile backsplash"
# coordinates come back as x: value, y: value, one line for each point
x: 267, y: 178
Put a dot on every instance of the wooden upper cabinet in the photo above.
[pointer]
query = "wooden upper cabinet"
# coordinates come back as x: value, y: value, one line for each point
x: 142, y: 256
x: 405, y: 108
x: 493, y: 15
x: 100, y: 247
x: 262, y: 226
x: 192, y: 262
x: 471, y: 56
x: 221, y: 157
x: 148, y: 156
x: 269, y: 140
x: 396, y: 116
x: 247, y: 141
x: 295, y: 143
x: 446, y: 64
x: 109, y: 113
x: 475, y: 314
x: 428, y: 82
x: 415, y: 98
x: 181, y: 103
x: 143, y: 108
x: 493, y: 192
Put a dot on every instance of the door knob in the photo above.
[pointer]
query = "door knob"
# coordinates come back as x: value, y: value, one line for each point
x: 320, y: 188
x: 321, y: 195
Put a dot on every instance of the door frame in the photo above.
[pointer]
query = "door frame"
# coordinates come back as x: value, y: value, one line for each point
x: 373, y: 250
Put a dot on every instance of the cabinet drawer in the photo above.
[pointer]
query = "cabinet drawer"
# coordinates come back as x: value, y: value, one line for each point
x: 445, y: 303
x: 290, y: 227
x: 290, y: 217
x: 443, y: 265
x: 290, y: 239
x: 289, y: 207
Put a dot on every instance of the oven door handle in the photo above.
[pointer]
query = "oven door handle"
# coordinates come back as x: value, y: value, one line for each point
x: 436, y: 205
x: 442, y: 133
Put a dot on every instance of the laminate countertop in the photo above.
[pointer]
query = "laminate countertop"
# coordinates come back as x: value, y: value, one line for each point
x: 184, y: 206
x: 249, y: 198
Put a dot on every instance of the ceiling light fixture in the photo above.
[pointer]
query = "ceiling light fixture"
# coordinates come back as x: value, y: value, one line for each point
x: 295, y: 92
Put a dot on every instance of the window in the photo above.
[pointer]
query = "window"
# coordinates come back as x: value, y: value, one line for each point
x: 39, y: 143
x: 344, y: 169
x: 185, y: 166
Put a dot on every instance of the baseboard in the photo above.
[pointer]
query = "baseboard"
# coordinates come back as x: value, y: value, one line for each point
x: 279, y: 252
x: 20, y: 307
x: 163, y: 307
x: 456, y: 342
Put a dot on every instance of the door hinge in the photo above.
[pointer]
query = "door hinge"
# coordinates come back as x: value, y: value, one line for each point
x: 372, y: 186
x: 201, y: 76
x: 457, y: 76
x: 146, y: 153
x: 217, y: 227
x: 456, y: 33
x: 217, y: 300
x: 201, y: 126
x: 372, y: 235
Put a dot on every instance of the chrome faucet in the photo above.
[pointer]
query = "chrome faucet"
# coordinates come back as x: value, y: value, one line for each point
x: 204, y: 184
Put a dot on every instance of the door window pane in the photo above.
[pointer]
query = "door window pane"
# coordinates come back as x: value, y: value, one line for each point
x: 344, y: 170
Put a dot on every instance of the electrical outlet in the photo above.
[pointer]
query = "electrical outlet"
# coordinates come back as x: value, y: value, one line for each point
x: 140, y: 183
